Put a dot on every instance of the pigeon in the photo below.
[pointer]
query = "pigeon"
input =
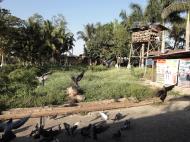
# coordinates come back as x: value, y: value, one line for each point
x: 8, y: 136
x: 34, y: 132
x: 117, y: 134
x: 85, y: 131
x: 98, y: 129
x: 14, y: 124
x: 46, y: 134
x: 126, y: 125
x: 44, y: 77
x: 108, y: 62
x: 49, y: 133
x: 74, y: 128
x: 77, y: 78
x: 67, y: 128
x: 103, y: 116
x: 118, y: 117
x: 162, y: 93
x: 70, y: 130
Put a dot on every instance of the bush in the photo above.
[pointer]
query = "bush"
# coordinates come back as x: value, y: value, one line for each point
x: 24, y: 76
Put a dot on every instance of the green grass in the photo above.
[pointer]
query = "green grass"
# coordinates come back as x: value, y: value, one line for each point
x: 96, y: 85
x: 99, y: 83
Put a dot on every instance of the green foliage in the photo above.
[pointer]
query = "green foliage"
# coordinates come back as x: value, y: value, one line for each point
x: 23, y: 75
x: 98, y: 84
x: 34, y: 41
x: 97, y: 68
x: 137, y: 72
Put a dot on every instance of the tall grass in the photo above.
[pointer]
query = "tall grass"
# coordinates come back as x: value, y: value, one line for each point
x: 98, y: 83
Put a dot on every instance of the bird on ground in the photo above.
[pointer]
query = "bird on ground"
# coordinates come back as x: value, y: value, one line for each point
x: 7, y: 127
x: 74, y: 128
x: 85, y: 131
x: 103, y: 116
x: 98, y: 129
x: 34, y: 132
x: 126, y: 125
x: 49, y: 133
x: 14, y: 124
x: 67, y: 128
x: 77, y: 78
x: 118, y: 117
x: 70, y: 130
x: 44, y: 77
x: 162, y: 93
x: 45, y: 133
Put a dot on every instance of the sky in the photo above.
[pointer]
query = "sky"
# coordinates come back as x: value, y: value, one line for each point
x: 76, y: 12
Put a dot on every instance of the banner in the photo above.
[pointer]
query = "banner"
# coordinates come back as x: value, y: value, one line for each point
x: 184, y: 73
x: 160, y: 67
x: 166, y: 71
x: 171, y: 71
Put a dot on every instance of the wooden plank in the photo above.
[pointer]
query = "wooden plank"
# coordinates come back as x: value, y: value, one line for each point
x: 83, y: 107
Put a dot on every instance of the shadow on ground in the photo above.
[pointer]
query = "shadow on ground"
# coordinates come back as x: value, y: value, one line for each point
x: 163, y: 127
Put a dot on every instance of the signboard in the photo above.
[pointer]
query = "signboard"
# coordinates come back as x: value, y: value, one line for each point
x: 167, y: 70
x: 171, y: 71
x: 160, y: 67
x: 184, y: 73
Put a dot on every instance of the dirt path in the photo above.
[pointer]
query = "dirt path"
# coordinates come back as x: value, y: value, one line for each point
x: 151, y: 123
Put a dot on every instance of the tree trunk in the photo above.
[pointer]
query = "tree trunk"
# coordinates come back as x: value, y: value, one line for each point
x: 187, y: 32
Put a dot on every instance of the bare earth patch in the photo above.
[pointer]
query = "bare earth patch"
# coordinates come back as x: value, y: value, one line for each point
x: 149, y: 123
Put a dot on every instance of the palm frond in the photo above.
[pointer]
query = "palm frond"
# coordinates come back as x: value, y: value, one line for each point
x: 175, y: 7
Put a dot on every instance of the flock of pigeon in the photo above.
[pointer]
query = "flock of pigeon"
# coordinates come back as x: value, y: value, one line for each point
x: 92, y: 131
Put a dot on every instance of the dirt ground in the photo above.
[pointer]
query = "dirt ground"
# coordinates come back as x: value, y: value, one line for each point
x: 164, y: 122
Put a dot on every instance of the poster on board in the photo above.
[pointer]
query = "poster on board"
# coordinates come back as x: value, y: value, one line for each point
x: 167, y: 71
x: 160, y: 67
x: 171, y: 71
x: 184, y: 73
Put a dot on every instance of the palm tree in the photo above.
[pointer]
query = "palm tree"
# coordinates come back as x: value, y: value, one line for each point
x: 137, y: 13
x: 86, y: 36
x: 88, y: 32
x: 179, y: 7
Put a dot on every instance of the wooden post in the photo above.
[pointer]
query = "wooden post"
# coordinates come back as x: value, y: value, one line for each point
x: 2, y: 60
x: 163, y: 41
x: 187, y: 32
x: 152, y: 71
x: 147, y: 54
x: 129, y: 61
x: 142, y: 56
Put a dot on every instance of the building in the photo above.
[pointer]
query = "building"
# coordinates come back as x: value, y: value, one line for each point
x: 172, y: 68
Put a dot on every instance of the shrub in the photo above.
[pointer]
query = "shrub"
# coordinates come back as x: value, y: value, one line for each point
x: 24, y: 76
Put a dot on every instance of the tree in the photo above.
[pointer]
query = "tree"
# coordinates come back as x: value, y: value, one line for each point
x: 88, y: 32
x: 9, y: 25
x: 179, y: 7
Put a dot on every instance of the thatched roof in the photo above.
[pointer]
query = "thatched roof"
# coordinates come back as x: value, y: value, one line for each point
x: 175, y: 7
